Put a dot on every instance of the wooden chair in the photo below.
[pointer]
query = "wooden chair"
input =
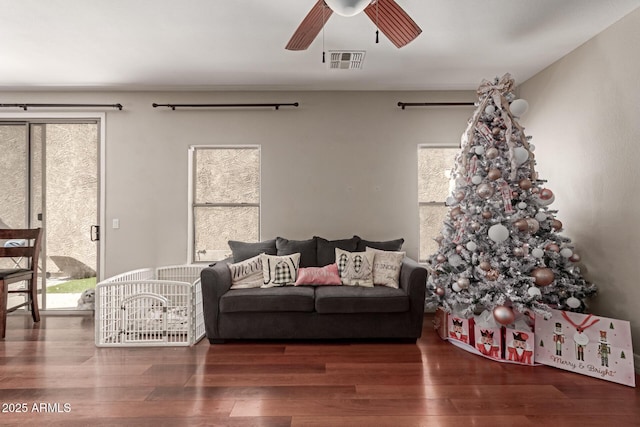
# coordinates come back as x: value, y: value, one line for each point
x: 30, y: 251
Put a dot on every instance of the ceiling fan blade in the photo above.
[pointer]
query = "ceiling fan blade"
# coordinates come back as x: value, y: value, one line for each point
x: 310, y: 27
x: 393, y: 21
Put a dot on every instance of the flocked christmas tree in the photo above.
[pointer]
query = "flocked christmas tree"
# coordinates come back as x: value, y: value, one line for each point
x: 500, y: 249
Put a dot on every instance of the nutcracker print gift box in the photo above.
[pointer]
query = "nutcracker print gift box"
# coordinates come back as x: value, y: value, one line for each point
x: 591, y: 345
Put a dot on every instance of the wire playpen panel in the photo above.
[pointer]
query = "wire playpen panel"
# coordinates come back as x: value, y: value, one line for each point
x: 147, y: 307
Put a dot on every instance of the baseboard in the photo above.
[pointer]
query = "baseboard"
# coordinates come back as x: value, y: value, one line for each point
x: 636, y: 362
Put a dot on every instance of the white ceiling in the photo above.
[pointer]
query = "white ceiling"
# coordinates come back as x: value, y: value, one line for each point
x: 239, y: 44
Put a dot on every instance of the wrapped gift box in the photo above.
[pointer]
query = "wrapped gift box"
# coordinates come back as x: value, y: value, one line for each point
x: 488, y: 335
x: 590, y: 345
x: 461, y: 329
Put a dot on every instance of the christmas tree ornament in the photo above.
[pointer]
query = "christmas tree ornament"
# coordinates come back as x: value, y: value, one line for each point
x: 495, y: 131
x: 459, y: 248
x: 498, y: 233
x: 490, y: 109
x: 441, y: 258
x: 472, y: 246
x: 574, y: 258
x: 492, y: 153
x: 556, y: 225
x: 520, y: 155
x: 525, y: 184
x: 479, y: 150
x: 486, y: 214
x: 455, y: 212
x: 545, y: 202
x: 532, y: 148
x: 484, y: 190
x: 552, y: 247
x: 459, y: 196
x: 573, y: 302
x: 566, y: 252
x: 503, y: 315
x: 440, y: 291
x: 533, y: 225
x: 546, y: 194
x: 455, y: 287
x: 537, y: 253
x: 518, y: 252
x: 541, y: 216
x: 455, y: 260
x: 518, y: 107
x: 543, y: 276
x: 521, y: 224
x: 463, y: 283
x: 475, y: 226
x: 494, y: 174
x: 522, y: 205
x: 476, y: 179
x: 534, y: 292
x: 485, y: 266
x: 492, y: 275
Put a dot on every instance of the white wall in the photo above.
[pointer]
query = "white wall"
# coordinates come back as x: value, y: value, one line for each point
x: 342, y: 163
x: 584, y: 119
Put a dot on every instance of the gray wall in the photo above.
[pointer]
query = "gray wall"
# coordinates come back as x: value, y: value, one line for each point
x: 342, y: 163
x: 583, y: 116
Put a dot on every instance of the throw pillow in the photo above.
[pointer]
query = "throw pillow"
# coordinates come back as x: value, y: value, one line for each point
x: 327, y: 249
x: 389, y: 245
x: 244, y: 250
x: 355, y: 268
x: 386, y: 267
x: 246, y: 274
x: 327, y: 275
x: 279, y: 270
x: 306, y: 249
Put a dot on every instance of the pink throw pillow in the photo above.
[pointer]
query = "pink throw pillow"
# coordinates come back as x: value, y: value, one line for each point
x: 327, y: 275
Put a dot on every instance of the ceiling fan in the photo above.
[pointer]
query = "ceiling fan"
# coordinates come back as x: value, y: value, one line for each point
x: 387, y: 15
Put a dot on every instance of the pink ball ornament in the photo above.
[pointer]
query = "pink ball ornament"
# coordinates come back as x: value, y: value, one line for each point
x: 440, y: 291
x: 574, y: 258
x: 543, y: 276
x: 459, y: 248
x: 546, y: 194
x: 533, y: 225
x: 503, y: 315
x: 441, y: 258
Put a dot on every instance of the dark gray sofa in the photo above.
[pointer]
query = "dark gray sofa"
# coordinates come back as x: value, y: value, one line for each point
x: 313, y: 312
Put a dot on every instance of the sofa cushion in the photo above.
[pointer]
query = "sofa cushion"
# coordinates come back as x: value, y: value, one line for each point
x: 327, y: 248
x: 389, y: 245
x: 355, y: 299
x: 244, y: 250
x: 247, y: 274
x: 286, y: 298
x: 306, y: 248
x: 279, y: 270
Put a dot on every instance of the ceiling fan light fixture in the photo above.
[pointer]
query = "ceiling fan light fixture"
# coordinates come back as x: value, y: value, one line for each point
x: 347, y: 7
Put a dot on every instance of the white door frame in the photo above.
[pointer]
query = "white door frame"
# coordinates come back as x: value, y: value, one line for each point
x: 102, y: 185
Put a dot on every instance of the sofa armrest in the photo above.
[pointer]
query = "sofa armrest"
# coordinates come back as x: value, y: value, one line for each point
x: 413, y: 280
x: 216, y: 281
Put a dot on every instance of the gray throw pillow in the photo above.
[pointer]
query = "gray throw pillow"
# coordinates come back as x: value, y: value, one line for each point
x: 244, y: 250
x: 327, y: 248
x: 306, y: 249
x: 389, y: 245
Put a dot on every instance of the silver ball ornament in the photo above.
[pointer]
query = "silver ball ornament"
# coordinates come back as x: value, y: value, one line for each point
x: 573, y: 302
x: 463, y: 283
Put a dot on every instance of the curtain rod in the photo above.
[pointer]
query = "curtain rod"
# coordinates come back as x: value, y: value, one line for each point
x: 434, y: 104
x: 25, y: 106
x: 275, y: 105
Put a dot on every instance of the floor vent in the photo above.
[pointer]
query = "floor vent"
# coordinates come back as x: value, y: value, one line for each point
x: 346, y: 60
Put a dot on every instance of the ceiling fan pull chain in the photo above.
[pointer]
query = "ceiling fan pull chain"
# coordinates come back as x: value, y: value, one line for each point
x: 323, y: 9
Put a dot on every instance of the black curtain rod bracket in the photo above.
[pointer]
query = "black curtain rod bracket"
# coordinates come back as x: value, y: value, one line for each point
x: 26, y: 106
x: 274, y: 105
x: 435, y: 104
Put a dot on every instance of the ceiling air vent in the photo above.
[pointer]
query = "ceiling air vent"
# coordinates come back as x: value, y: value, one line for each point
x: 346, y: 60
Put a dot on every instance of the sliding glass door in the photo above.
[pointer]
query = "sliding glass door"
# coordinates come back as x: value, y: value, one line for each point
x: 49, y: 179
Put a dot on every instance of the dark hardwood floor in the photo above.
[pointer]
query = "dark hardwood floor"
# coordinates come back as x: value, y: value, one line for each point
x: 54, y: 374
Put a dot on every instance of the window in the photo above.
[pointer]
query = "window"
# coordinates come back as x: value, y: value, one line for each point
x: 225, y: 199
x: 434, y: 167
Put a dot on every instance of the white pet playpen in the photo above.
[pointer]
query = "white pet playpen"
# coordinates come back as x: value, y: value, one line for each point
x: 150, y: 307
